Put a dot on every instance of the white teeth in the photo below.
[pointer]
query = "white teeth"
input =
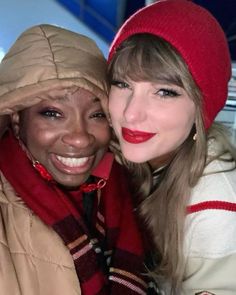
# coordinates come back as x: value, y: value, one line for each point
x: 72, y: 162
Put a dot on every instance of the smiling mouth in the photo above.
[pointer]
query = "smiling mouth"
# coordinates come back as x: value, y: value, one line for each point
x: 72, y: 162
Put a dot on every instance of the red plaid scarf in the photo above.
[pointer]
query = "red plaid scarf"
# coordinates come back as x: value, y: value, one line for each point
x: 107, y: 250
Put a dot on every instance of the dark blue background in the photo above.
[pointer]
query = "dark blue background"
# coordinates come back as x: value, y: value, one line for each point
x: 106, y: 16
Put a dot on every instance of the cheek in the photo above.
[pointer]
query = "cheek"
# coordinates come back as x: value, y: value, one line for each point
x: 178, y: 117
x: 116, y: 106
x: 100, y: 131
x: 180, y: 124
x: 37, y: 138
x: 186, y: 117
x: 103, y: 134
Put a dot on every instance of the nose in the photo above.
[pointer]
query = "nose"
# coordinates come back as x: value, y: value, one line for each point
x: 78, y: 137
x: 135, y: 108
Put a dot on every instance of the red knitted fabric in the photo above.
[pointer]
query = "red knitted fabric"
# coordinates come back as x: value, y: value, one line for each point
x: 199, y: 39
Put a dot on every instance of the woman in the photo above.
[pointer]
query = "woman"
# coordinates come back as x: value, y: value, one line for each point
x: 169, y: 67
x: 67, y: 226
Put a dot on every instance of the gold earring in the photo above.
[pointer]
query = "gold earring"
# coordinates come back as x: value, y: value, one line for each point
x: 195, y: 136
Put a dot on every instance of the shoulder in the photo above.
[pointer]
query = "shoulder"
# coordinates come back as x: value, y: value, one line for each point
x: 210, y: 251
x: 217, y: 183
x: 211, y: 219
x: 24, y: 231
x: 26, y: 241
x: 7, y: 193
x: 210, y: 233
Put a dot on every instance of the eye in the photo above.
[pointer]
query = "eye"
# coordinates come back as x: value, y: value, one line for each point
x: 98, y: 115
x: 50, y: 113
x: 120, y: 84
x: 167, y: 93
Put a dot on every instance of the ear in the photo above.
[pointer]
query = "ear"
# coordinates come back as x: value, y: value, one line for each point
x: 15, y: 123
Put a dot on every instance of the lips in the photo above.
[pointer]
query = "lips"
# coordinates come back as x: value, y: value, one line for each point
x: 135, y: 136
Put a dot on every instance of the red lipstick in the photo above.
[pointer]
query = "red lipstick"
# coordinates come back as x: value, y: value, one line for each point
x: 135, y: 136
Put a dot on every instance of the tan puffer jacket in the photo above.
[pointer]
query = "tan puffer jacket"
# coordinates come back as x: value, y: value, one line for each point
x: 45, y: 58
x: 33, y: 259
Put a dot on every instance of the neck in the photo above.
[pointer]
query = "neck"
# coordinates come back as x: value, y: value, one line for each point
x: 161, y: 161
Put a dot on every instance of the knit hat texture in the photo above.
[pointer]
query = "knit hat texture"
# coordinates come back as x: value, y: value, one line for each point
x: 199, y: 39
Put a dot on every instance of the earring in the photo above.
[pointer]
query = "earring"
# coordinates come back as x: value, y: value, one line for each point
x: 195, y: 136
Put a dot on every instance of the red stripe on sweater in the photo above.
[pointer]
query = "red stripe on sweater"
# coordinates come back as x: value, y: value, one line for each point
x: 219, y: 205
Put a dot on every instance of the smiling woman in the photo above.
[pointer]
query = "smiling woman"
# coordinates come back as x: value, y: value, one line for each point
x: 74, y: 226
x: 136, y: 129
x: 68, y: 136
x: 169, y: 66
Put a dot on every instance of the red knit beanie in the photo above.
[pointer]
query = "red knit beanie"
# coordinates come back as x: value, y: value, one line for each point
x: 199, y: 39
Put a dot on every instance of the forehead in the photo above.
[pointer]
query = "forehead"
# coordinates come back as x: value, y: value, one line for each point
x: 68, y: 95
x: 78, y: 99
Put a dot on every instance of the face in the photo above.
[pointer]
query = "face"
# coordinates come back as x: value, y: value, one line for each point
x: 69, y: 135
x: 151, y: 120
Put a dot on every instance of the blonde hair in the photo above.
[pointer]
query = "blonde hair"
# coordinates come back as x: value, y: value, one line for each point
x: 148, y: 57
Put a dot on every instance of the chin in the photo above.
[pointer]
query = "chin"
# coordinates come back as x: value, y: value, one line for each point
x: 134, y: 158
x: 71, y: 184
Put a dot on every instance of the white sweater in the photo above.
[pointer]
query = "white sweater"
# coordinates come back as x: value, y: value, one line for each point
x: 210, y: 240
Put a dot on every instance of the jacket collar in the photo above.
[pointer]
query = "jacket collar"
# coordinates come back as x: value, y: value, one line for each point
x: 103, y: 169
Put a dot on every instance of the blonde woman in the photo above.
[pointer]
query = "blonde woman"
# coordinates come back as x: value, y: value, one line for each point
x: 169, y: 67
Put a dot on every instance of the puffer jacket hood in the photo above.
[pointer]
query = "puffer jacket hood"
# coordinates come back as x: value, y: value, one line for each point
x: 47, y: 57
